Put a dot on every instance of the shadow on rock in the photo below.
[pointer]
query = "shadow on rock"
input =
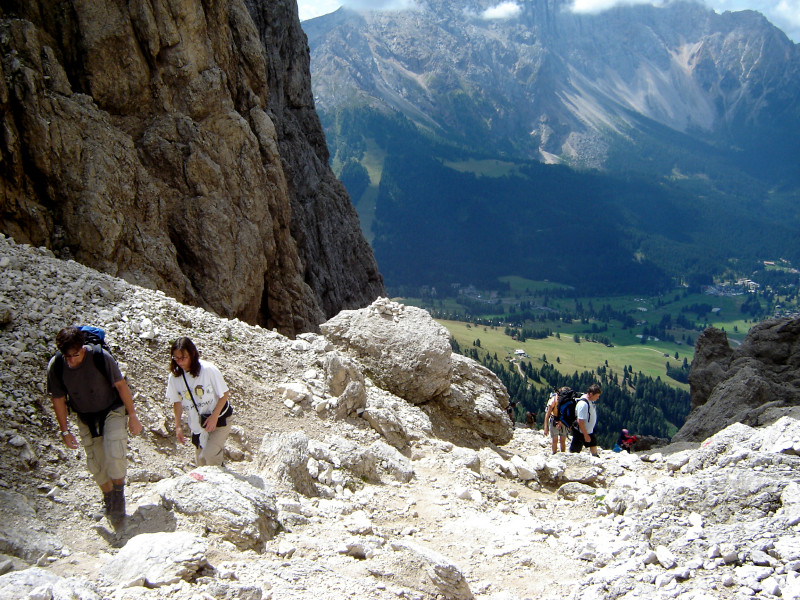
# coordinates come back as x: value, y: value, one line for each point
x: 147, y: 519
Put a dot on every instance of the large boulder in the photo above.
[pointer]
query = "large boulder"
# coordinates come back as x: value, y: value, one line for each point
x: 157, y: 559
x: 739, y: 398
x: 754, y: 384
x: 478, y: 401
x: 396, y: 420
x: 401, y: 348
x: 226, y: 504
x: 419, y: 567
x: 712, y: 356
x: 40, y: 583
x: 344, y: 382
x: 321, y: 468
x: 284, y: 458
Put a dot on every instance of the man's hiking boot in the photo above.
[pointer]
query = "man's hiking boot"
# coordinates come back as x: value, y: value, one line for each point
x: 117, y: 510
x: 108, y: 502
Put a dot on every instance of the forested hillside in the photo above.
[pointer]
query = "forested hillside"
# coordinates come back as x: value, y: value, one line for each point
x: 439, y: 219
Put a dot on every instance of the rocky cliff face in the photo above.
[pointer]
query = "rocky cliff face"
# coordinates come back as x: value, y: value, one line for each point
x: 175, y: 144
x: 753, y: 384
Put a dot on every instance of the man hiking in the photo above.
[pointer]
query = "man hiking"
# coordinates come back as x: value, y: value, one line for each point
x: 586, y: 413
x: 100, y: 398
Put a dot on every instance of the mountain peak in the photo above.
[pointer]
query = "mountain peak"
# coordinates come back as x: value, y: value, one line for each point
x: 546, y: 76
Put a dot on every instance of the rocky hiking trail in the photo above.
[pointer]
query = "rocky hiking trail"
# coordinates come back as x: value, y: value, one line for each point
x: 364, y: 462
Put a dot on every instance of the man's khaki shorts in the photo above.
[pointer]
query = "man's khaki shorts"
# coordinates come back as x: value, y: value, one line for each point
x: 106, y: 456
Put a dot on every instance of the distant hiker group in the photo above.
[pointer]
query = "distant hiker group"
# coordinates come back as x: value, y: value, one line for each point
x: 567, y: 413
x: 84, y: 377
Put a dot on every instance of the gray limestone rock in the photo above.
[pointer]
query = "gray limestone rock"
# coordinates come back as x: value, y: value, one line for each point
x: 402, y: 349
x: 225, y: 504
x: 384, y: 417
x: 712, y: 355
x: 157, y: 559
x: 350, y: 402
x: 340, y: 371
x: 755, y: 383
x: 572, y: 490
x: 433, y: 571
x: 284, y: 457
x: 390, y: 461
x: 478, y: 401
x: 35, y: 583
x: 22, y: 534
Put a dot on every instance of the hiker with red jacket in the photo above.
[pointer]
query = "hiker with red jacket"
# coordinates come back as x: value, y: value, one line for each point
x: 626, y: 441
x: 90, y: 377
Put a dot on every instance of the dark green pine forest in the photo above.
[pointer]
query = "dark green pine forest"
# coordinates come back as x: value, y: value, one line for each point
x: 611, y: 232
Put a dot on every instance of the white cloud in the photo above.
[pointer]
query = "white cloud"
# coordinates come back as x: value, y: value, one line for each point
x: 786, y: 15
x: 596, y: 6
x: 379, y: 4
x: 309, y: 9
x: 504, y: 10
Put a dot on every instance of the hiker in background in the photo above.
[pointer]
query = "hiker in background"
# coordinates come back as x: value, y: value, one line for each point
x: 586, y: 412
x: 626, y: 441
x: 553, y: 426
x: 101, y: 399
x: 510, y: 411
x: 530, y: 420
x: 197, y: 387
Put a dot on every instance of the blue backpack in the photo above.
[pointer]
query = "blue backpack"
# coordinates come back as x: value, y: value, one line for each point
x: 567, y: 400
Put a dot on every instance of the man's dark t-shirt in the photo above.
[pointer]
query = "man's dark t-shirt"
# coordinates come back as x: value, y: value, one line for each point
x: 89, y: 390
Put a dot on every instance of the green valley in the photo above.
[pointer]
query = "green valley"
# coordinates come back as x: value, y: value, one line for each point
x: 538, y: 335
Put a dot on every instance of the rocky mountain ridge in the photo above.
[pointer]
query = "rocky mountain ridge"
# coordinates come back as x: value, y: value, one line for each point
x: 553, y: 85
x: 176, y: 145
x: 336, y: 486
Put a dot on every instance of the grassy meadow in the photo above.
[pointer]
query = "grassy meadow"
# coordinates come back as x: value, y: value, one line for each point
x: 568, y: 356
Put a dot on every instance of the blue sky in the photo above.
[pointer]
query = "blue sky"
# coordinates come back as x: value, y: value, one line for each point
x: 783, y: 13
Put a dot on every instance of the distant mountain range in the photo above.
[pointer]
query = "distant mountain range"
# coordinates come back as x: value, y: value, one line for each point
x: 676, y: 132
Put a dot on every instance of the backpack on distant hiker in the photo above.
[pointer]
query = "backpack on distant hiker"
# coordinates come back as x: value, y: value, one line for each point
x: 566, y: 402
x: 96, y: 338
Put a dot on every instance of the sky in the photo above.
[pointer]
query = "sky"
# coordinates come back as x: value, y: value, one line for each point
x: 782, y: 13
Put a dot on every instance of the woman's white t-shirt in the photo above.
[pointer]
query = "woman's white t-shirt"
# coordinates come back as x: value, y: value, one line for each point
x: 208, y: 387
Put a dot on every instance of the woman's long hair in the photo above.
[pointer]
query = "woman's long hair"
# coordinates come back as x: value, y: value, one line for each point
x: 187, y: 345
